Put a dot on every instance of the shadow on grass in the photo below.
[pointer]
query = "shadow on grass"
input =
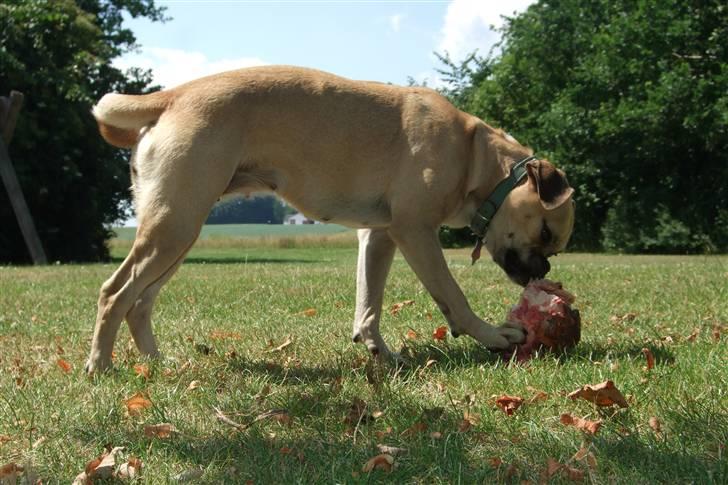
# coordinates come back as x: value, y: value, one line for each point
x: 591, y: 352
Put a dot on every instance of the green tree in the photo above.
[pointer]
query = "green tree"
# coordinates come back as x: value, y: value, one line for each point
x: 631, y: 98
x: 58, y: 53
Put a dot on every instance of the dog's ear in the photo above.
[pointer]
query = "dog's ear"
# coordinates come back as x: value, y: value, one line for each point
x: 549, y: 182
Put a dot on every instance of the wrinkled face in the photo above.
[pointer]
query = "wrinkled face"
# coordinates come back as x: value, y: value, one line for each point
x: 534, y: 223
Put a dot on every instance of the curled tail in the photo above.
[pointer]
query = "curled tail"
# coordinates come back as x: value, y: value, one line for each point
x: 121, y: 116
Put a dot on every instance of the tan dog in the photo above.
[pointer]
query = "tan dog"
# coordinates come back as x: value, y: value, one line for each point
x: 396, y: 162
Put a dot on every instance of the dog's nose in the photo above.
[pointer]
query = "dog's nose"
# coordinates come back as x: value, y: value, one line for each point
x: 539, y: 265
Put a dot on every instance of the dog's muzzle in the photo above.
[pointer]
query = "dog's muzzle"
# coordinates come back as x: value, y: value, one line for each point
x: 536, y: 266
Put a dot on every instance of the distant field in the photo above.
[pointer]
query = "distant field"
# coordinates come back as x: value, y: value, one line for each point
x: 251, y: 230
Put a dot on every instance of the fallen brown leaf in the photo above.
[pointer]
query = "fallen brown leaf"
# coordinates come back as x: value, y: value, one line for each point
x: 136, y: 404
x: 574, y: 474
x: 603, y: 394
x: 583, y: 424
x: 162, y: 430
x: 142, y: 370
x: 64, y: 365
x: 440, y: 333
x: 552, y: 467
x: 495, y: 462
x: 650, y: 358
x: 380, y: 462
x: 418, y: 427
x: 412, y: 335
x: 509, y: 404
x: 130, y: 470
x: 382, y: 434
x: 4, y: 438
x: 9, y: 473
x: 309, y: 312
x: 194, y: 385
x: 655, y: 424
x: 395, y: 309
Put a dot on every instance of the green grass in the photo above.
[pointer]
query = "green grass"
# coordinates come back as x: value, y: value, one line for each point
x: 235, y: 303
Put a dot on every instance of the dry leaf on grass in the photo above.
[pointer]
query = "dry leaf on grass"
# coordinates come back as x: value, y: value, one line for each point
x: 136, y: 404
x: 395, y: 309
x: 309, y: 312
x: 603, y: 394
x: 64, y: 365
x: 194, y: 385
x: 9, y: 473
x: 509, y: 404
x: 142, y: 370
x: 130, y: 470
x: 435, y: 435
x: 418, y: 427
x: 379, y: 462
x: 440, y: 333
x: 4, y: 438
x: 655, y: 424
x: 282, y: 346
x: 495, y: 462
x: 650, y: 358
x: 101, y: 467
x: 412, y: 335
x: 162, y: 430
x: 583, y: 424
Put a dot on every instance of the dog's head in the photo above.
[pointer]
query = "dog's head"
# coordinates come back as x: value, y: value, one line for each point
x: 534, y: 223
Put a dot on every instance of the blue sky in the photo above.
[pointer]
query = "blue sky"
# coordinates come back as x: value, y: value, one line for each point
x: 385, y: 41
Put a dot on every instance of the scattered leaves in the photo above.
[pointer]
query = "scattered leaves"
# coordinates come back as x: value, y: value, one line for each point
x: 64, y: 365
x: 395, y: 309
x: 162, y: 430
x: 136, y: 404
x: 509, y: 404
x: 583, y: 424
x: 602, y: 394
x: 650, y: 358
x: 440, y: 333
x: 380, y: 462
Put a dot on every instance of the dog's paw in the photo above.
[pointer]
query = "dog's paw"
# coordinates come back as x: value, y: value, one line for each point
x: 513, y: 332
x: 96, y: 364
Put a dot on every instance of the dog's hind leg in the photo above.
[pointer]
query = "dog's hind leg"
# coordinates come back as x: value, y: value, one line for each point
x: 139, y: 317
x: 171, y: 213
x: 376, y: 251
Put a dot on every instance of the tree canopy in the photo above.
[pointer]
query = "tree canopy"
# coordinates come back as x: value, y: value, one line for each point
x: 631, y: 99
x: 58, y: 53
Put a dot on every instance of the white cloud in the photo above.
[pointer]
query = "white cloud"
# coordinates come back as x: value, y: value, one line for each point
x: 395, y: 22
x: 468, y: 25
x: 171, y: 67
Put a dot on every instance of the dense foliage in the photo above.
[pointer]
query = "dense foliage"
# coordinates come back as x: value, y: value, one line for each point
x: 631, y: 99
x: 257, y: 210
x: 58, y: 53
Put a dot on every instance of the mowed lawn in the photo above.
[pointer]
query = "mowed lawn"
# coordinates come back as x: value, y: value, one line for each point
x: 262, y: 329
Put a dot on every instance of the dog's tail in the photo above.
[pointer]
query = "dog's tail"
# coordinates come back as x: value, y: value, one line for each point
x: 121, y: 116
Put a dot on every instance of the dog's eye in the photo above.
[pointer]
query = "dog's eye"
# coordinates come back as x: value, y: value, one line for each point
x: 545, y: 234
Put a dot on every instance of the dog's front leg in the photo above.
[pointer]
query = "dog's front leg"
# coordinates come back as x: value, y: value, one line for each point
x: 421, y: 248
x: 376, y: 251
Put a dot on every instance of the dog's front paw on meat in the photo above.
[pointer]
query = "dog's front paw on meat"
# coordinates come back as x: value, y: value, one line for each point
x: 498, y: 338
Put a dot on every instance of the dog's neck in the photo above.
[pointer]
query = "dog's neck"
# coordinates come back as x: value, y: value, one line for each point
x: 495, y: 154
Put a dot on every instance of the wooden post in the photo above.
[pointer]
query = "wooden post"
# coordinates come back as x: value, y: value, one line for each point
x: 9, y: 110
